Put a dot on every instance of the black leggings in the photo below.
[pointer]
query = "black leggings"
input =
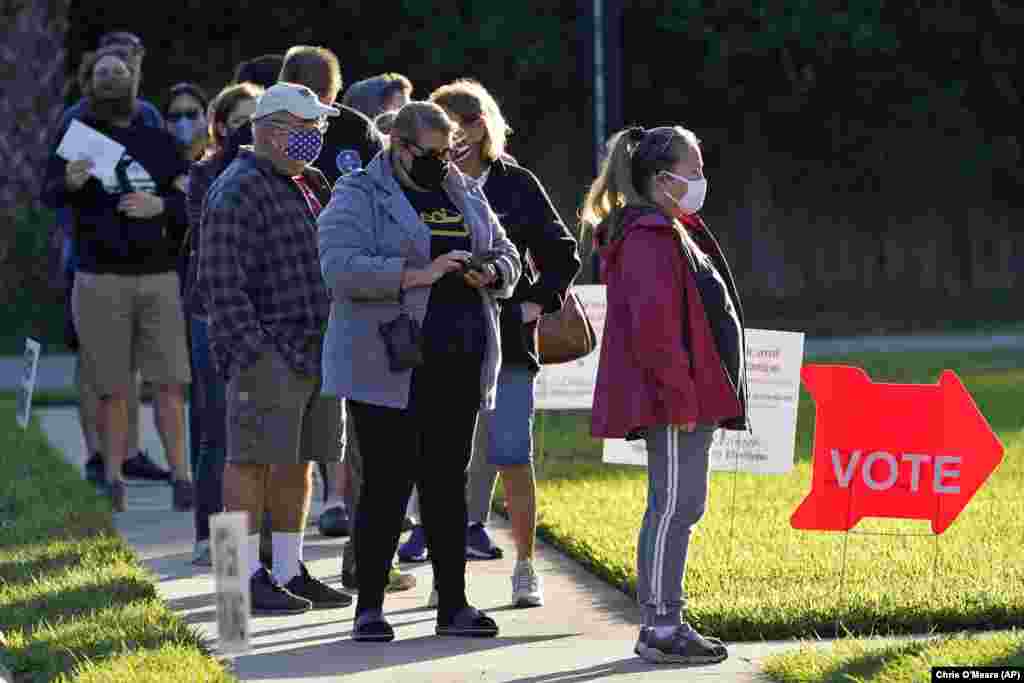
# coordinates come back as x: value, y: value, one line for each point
x: 428, y: 444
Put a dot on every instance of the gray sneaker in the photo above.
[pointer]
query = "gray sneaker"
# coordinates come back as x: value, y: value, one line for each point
x: 683, y: 646
x: 526, y: 586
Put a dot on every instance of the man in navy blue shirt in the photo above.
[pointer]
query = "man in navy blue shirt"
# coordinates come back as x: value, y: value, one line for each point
x: 126, y: 299
x: 130, y: 48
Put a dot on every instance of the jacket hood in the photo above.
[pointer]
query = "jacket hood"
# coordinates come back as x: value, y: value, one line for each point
x: 633, y: 218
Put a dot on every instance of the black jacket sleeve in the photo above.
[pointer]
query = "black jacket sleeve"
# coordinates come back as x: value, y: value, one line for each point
x: 551, y: 247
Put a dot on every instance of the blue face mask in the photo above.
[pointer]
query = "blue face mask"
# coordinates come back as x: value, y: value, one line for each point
x: 185, y: 129
x: 304, y: 145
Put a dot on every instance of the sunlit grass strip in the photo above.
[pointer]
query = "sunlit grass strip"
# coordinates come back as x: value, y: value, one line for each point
x: 74, y: 602
x: 752, y: 576
x: 887, y: 661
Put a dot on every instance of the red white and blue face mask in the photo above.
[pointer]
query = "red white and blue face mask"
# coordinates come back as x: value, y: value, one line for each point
x: 304, y: 145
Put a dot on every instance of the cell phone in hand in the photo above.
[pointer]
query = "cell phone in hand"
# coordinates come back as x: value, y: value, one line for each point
x: 478, y: 261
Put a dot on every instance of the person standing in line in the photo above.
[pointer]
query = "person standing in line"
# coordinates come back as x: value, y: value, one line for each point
x: 550, y: 263
x: 268, y: 307
x: 410, y: 235
x: 229, y: 117
x: 672, y: 367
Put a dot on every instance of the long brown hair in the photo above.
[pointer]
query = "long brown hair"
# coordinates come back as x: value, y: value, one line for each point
x: 635, y: 156
x: 225, y: 102
x: 469, y: 100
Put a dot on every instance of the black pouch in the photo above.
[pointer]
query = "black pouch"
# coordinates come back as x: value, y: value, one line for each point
x: 403, y: 339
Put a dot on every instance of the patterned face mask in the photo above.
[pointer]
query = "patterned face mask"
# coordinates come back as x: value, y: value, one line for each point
x: 304, y: 145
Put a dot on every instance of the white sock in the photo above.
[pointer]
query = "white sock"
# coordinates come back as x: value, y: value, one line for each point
x: 287, y: 555
x: 254, y: 554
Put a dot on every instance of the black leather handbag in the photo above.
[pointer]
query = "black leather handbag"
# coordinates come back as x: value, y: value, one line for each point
x: 403, y: 339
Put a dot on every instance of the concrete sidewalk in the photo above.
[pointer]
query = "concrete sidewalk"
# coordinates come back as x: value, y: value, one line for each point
x: 585, y: 632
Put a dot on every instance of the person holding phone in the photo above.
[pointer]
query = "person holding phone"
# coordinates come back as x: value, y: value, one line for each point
x: 399, y: 238
x: 550, y: 262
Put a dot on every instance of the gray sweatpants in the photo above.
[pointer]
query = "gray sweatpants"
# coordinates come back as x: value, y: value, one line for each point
x: 677, y: 489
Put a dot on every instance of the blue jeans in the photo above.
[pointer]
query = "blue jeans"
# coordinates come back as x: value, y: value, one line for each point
x: 209, y: 406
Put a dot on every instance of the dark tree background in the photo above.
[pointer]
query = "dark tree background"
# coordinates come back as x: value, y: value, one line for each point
x: 864, y: 157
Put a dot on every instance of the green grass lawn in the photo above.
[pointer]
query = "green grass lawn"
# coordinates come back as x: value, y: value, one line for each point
x: 752, y: 576
x: 75, y: 605
x: 881, y: 661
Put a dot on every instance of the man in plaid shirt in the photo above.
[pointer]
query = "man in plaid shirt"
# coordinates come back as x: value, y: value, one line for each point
x: 259, y: 274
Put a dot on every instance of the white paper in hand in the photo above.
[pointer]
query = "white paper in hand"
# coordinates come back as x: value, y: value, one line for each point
x: 83, y: 142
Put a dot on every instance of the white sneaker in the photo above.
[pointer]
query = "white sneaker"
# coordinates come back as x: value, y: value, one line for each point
x: 527, y: 589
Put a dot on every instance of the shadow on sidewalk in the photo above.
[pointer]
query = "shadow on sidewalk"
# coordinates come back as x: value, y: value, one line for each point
x: 349, y: 657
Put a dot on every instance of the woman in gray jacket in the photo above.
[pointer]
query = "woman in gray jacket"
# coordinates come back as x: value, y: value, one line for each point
x: 410, y: 234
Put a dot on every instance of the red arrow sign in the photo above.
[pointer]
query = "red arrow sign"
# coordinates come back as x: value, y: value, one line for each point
x: 914, y: 451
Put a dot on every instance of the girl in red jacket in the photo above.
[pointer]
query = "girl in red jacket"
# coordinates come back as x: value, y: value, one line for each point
x: 672, y: 358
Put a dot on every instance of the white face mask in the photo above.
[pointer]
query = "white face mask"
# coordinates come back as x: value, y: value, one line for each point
x: 696, y: 191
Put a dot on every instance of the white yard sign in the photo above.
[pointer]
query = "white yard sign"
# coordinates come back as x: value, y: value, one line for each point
x: 773, y: 367
x: 28, y: 382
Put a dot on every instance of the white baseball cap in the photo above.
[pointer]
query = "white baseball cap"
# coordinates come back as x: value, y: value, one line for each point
x: 293, y: 98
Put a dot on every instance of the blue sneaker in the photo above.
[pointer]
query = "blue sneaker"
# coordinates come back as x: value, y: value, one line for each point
x: 415, y: 549
x: 479, y: 545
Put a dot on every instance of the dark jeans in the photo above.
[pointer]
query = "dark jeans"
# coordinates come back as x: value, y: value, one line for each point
x: 210, y: 426
x: 427, y: 444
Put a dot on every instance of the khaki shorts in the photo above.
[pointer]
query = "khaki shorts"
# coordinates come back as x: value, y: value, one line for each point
x: 129, y: 324
x: 275, y: 416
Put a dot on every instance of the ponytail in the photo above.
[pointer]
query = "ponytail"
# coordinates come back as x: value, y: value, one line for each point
x: 614, y: 188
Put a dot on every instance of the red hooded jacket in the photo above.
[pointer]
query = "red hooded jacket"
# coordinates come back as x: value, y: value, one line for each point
x: 659, y: 362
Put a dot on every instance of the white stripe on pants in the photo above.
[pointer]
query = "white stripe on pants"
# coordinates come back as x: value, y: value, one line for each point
x: 677, y: 485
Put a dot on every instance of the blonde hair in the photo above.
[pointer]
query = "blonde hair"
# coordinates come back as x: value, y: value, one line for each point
x: 416, y: 117
x: 635, y: 157
x: 468, y: 99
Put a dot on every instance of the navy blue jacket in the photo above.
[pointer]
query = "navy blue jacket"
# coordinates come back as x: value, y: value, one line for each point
x: 107, y: 240
x: 350, y: 143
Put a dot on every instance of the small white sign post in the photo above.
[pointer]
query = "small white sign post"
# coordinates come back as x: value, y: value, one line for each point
x: 28, y: 382
x: 773, y: 368
x: 230, y: 552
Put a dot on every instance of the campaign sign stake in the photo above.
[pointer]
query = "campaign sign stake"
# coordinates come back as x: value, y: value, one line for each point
x: 231, y: 562
x: 28, y: 382
x: 911, y: 451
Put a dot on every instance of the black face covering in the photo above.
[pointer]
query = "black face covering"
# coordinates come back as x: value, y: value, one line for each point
x: 113, y: 101
x: 429, y: 172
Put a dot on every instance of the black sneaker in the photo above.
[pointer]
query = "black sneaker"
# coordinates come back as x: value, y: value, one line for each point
x: 317, y: 592
x: 272, y: 599
x: 371, y: 627
x: 335, y: 521
x: 95, y: 470
x: 683, y: 646
x: 469, y: 622
x: 141, y: 467
x: 183, y: 495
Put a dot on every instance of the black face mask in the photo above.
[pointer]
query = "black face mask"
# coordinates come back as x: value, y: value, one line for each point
x: 429, y: 172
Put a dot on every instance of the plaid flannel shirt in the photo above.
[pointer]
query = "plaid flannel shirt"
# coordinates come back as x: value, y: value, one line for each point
x: 259, y: 269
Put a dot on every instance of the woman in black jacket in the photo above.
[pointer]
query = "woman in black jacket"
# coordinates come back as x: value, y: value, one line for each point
x: 550, y: 263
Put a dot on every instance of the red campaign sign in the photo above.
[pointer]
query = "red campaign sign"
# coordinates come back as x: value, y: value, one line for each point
x: 912, y: 451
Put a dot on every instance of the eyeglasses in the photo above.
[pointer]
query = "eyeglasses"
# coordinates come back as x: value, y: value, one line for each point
x: 191, y: 114
x: 441, y: 154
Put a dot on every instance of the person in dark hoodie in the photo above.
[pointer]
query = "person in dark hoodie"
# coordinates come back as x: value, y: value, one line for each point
x: 671, y: 368
x: 126, y: 302
x: 230, y: 128
x: 504, y: 442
